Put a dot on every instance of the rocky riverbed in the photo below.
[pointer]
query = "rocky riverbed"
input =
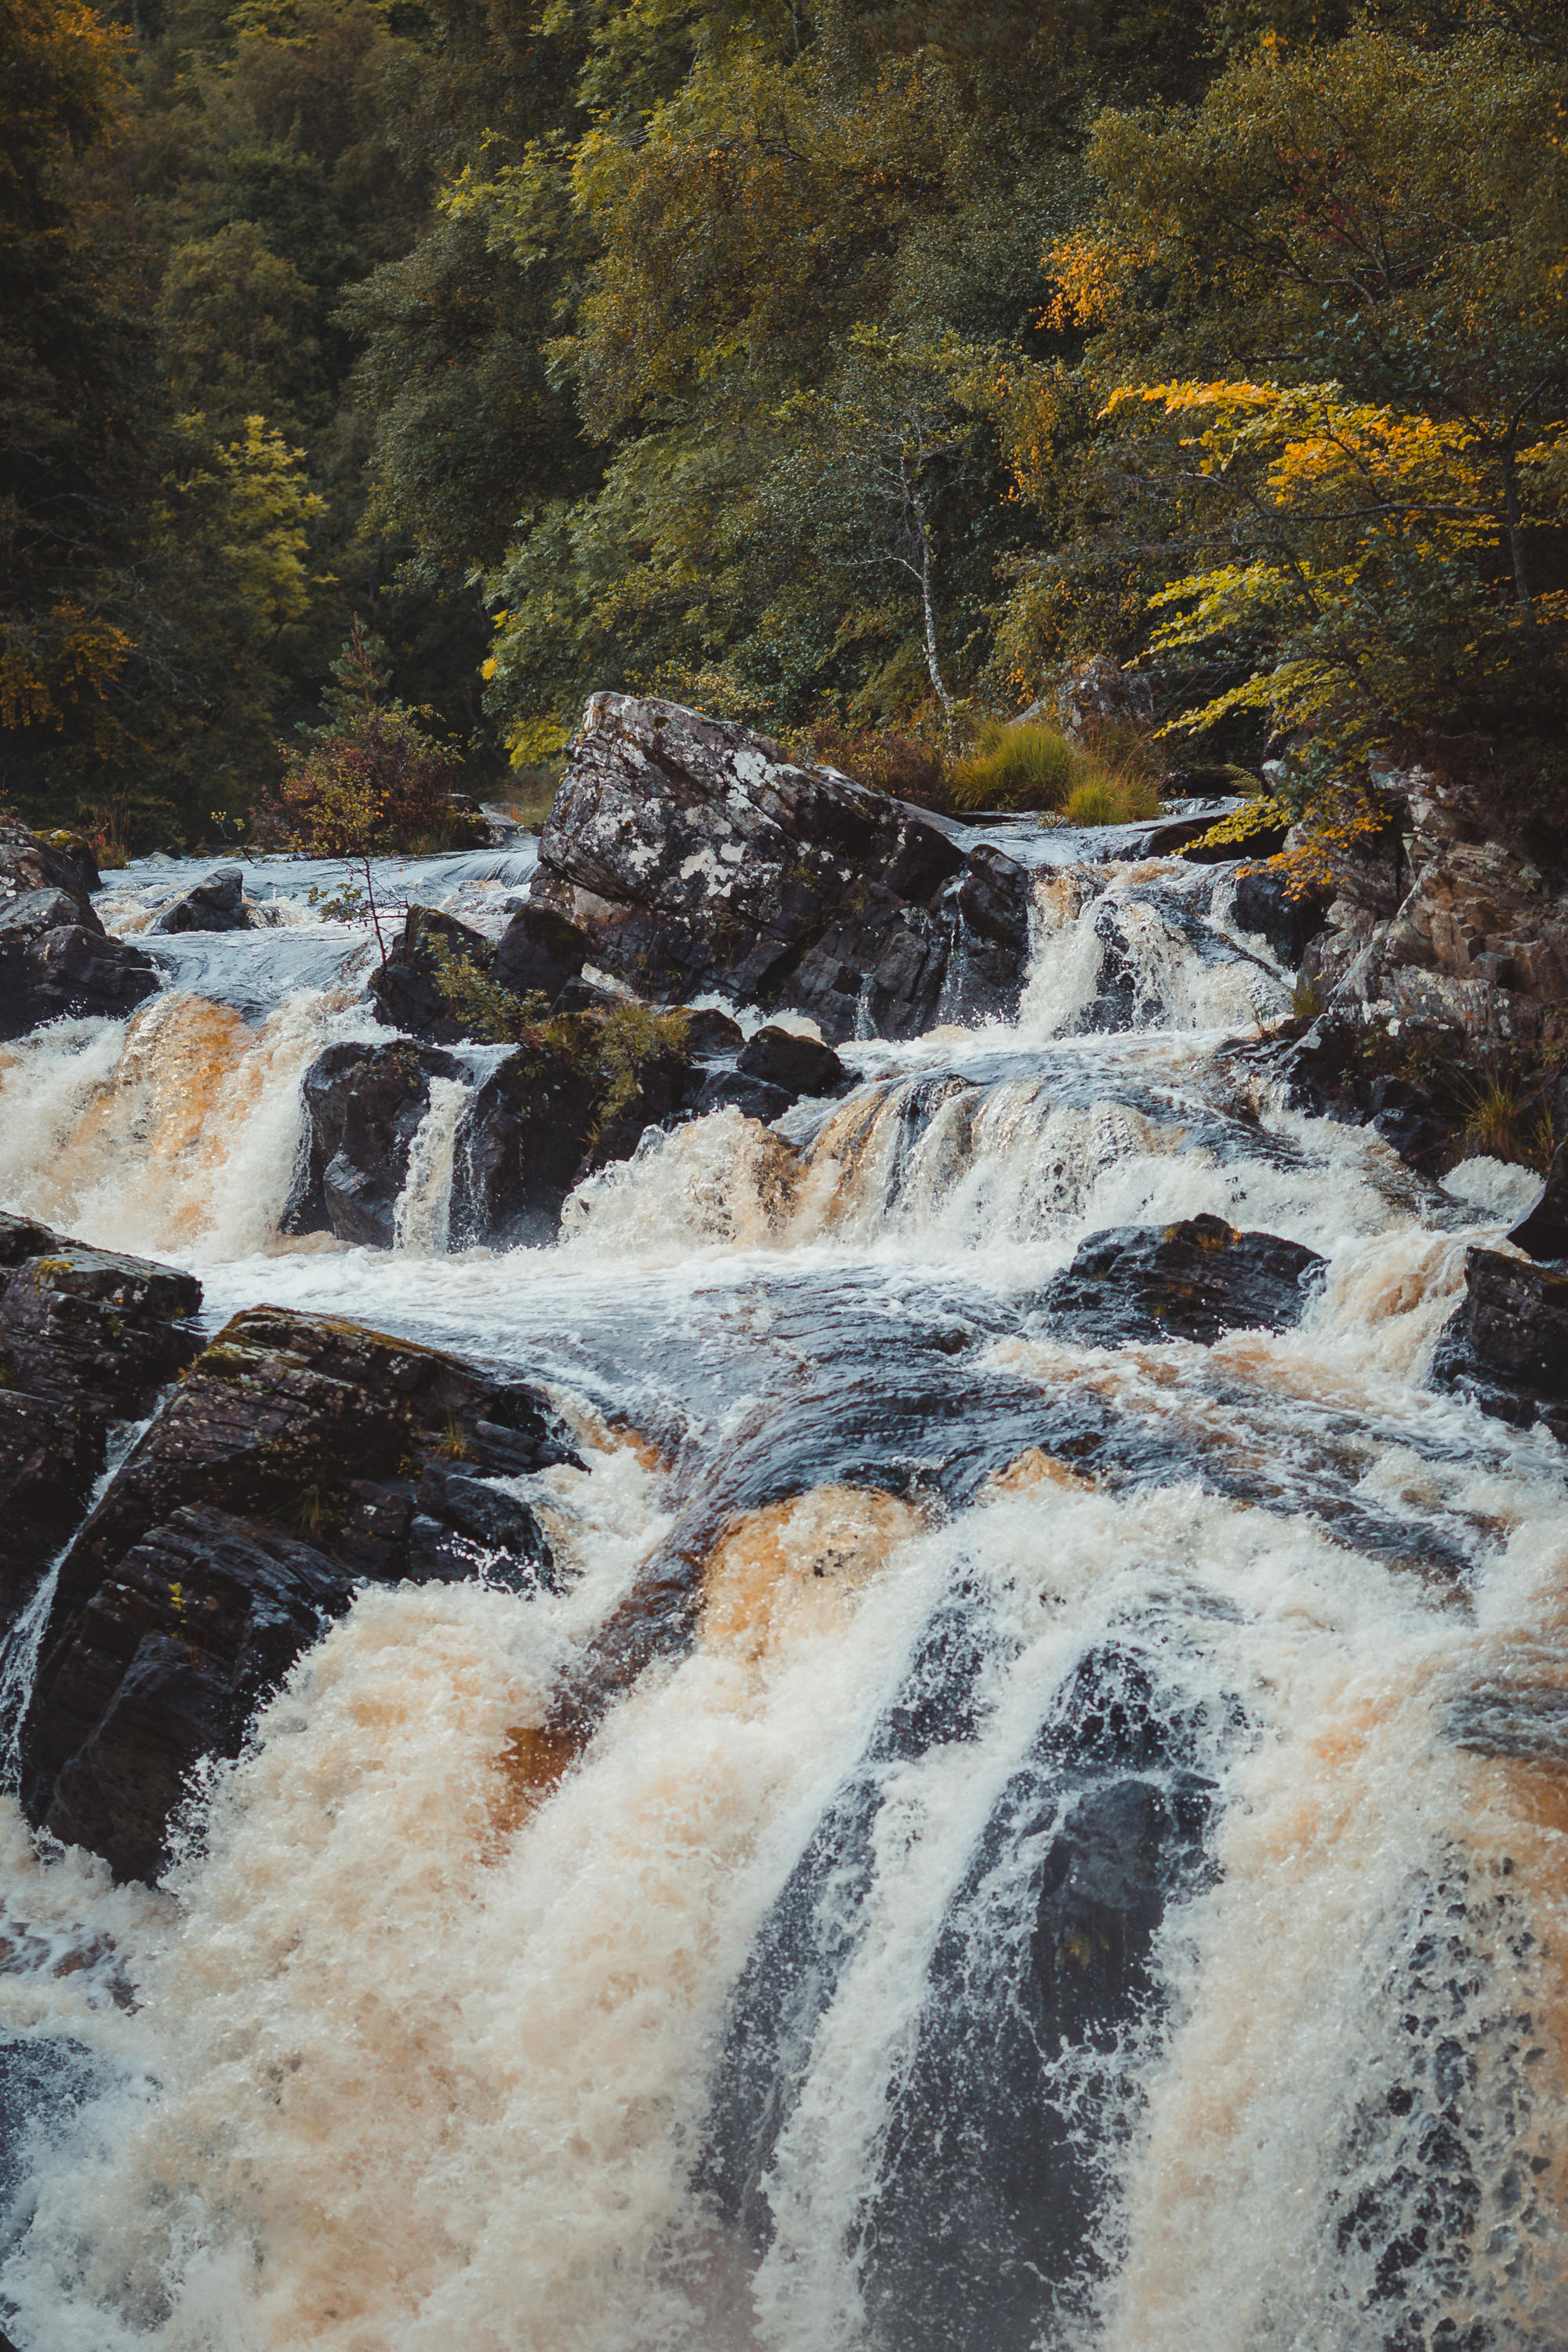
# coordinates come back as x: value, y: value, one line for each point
x: 804, y: 1590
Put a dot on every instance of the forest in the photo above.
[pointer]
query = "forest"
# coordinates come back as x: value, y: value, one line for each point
x: 383, y: 369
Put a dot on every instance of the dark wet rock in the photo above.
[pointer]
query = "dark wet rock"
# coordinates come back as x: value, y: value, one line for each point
x: 363, y: 1106
x: 164, y: 1666
x: 800, y: 1066
x: 732, y: 1090
x: 1507, y: 1348
x: 981, y: 2236
x: 980, y: 2221
x: 710, y: 1033
x: 993, y: 897
x: 1192, y: 1280
x: 698, y: 857
x: 1343, y: 1069
x: 578, y: 1096
x: 50, y: 1453
x: 298, y: 1455
x: 1544, y: 1232
x: 1264, y: 906
x: 56, y: 959
x: 215, y: 904
x: 404, y: 989
x: 86, y: 1337
x: 541, y: 954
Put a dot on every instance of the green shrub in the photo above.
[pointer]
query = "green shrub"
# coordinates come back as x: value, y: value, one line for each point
x: 1027, y: 767
x: 1113, y: 799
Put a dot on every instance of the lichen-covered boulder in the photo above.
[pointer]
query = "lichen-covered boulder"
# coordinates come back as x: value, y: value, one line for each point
x: 695, y: 856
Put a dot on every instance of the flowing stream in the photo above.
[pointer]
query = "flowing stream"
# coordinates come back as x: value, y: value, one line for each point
x: 747, y: 2025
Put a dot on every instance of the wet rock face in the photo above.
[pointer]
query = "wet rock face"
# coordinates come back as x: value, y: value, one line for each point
x: 1507, y: 1348
x: 695, y: 856
x: 86, y: 1337
x: 363, y: 1106
x: 541, y: 954
x: 578, y: 1096
x: 216, y: 904
x: 1265, y: 908
x: 298, y: 1455
x: 56, y: 959
x: 1544, y: 1232
x: 1194, y: 1280
x: 979, y: 2227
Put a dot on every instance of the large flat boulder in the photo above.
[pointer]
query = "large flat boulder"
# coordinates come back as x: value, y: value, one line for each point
x: 298, y: 1457
x: 696, y: 855
x: 56, y: 959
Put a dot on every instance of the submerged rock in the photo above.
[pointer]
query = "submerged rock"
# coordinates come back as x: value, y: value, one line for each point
x: 298, y: 1455
x: 56, y: 959
x: 216, y: 904
x: 698, y: 856
x: 86, y: 1337
x: 1507, y: 1348
x: 1192, y: 1280
x: 363, y: 1106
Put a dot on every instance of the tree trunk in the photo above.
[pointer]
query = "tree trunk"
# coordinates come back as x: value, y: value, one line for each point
x: 927, y: 602
x: 1516, y: 536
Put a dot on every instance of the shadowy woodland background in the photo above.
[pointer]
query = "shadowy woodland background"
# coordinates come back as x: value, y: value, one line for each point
x: 845, y: 370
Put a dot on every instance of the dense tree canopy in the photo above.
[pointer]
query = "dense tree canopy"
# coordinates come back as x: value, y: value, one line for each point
x: 854, y: 363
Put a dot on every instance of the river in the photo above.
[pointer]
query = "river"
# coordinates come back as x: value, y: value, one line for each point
x: 749, y: 2027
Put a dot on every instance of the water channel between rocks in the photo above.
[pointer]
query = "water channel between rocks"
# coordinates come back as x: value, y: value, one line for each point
x: 789, y: 2018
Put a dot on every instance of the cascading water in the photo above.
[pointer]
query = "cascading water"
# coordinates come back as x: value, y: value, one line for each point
x: 776, y: 2007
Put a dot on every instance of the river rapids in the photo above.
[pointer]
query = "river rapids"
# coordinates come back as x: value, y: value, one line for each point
x: 721, y: 2030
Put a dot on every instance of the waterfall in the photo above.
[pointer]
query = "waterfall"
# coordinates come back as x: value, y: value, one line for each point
x: 1092, y: 1874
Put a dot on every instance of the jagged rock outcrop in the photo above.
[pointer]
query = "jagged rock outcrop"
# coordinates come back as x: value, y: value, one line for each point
x: 540, y: 955
x: 698, y: 856
x: 86, y: 1337
x: 1438, y: 922
x: 298, y: 1455
x: 56, y: 959
x: 363, y: 1106
x: 1507, y: 1348
x: 217, y: 903
x: 405, y: 992
x: 1194, y: 1280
